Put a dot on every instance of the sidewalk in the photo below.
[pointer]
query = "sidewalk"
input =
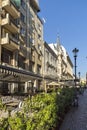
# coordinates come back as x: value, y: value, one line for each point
x: 76, y: 119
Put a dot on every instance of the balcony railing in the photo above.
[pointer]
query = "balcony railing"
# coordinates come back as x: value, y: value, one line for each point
x: 10, y: 24
x: 9, y: 42
x: 33, y: 58
x: 13, y: 39
x: 23, y: 50
x: 11, y: 7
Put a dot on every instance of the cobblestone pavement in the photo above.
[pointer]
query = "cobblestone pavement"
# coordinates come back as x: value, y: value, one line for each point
x: 76, y: 118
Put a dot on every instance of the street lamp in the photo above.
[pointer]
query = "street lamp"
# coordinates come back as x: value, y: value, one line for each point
x: 75, y: 51
x: 79, y: 75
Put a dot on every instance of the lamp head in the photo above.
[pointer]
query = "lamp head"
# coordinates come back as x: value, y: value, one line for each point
x: 75, y: 51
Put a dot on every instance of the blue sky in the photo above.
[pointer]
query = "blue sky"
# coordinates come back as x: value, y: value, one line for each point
x: 68, y: 18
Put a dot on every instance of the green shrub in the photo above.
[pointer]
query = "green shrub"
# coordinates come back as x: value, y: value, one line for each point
x: 41, y: 112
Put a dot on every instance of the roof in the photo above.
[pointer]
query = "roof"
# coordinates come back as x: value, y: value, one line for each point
x: 54, y: 48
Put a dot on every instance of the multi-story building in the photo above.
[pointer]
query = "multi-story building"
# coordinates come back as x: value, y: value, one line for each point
x: 21, y: 39
x: 69, y: 68
x: 25, y: 60
x: 49, y: 65
x: 64, y: 64
x: 36, y: 41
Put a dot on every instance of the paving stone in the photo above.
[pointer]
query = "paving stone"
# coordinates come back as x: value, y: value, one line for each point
x: 76, y: 118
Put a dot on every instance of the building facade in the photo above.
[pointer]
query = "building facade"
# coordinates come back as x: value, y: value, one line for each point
x: 69, y: 68
x: 64, y: 63
x: 21, y: 39
x: 25, y: 60
x: 49, y: 65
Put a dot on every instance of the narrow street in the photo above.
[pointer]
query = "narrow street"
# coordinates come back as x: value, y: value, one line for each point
x: 76, y: 119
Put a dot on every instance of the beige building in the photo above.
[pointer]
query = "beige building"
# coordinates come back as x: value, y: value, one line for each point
x: 69, y: 68
x: 49, y: 65
x: 21, y: 39
x: 57, y: 66
x: 25, y: 60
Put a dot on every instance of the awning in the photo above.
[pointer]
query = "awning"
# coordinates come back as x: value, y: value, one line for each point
x: 61, y: 83
x: 51, y: 78
x: 10, y: 74
x: 53, y: 84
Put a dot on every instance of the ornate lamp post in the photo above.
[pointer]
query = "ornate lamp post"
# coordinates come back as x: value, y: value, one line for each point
x: 75, y: 51
x: 79, y: 75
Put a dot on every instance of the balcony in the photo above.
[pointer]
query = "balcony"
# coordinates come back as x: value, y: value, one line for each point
x: 9, y: 42
x: 32, y: 55
x: 22, y: 39
x: 10, y: 24
x: 39, y: 62
x: 35, y: 4
x: 11, y: 8
x: 33, y: 58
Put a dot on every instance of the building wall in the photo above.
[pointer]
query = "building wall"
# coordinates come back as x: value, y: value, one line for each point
x: 21, y: 38
x: 64, y: 64
x: 49, y: 65
x: 36, y: 43
x: 22, y: 48
x: 50, y: 61
x: 69, y: 68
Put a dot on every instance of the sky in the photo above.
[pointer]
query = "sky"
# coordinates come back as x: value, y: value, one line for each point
x: 68, y: 19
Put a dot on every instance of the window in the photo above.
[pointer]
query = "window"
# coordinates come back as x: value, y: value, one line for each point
x: 7, y: 56
x: 23, y: 4
x: 31, y: 66
x: 22, y: 18
x: 47, y: 55
x: 22, y: 31
x: 39, y: 57
x: 39, y: 36
x: 38, y: 69
x: 21, y: 62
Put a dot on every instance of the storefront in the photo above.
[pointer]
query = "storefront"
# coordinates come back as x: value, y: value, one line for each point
x: 13, y: 80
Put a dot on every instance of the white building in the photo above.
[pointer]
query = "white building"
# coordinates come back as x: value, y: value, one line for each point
x: 64, y: 63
